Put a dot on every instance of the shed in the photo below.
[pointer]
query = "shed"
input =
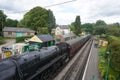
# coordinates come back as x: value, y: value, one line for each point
x: 17, y: 32
x: 45, y: 40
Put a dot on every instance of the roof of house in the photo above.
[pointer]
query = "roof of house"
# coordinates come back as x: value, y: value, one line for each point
x: 63, y: 26
x: 45, y: 37
x: 17, y: 29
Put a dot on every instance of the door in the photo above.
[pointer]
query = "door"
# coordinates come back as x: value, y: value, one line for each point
x: 19, y: 34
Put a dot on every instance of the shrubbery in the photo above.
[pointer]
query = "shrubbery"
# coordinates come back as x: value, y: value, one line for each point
x: 21, y: 39
x: 101, y: 64
x: 114, y: 68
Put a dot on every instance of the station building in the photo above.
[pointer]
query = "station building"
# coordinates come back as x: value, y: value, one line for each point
x: 39, y: 41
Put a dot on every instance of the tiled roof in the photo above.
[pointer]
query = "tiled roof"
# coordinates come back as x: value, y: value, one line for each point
x: 45, y: 37
x: 16, y: 29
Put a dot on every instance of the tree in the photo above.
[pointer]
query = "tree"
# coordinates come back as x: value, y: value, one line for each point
x: 51, y: 21
x: 113, y: 29
x: 77, y: 25
x: 100, y: 30
x: 35, y: 19
x: 100, y: 23
x: 11, y: 22
x: 2, y: 20
x: 88, y: 27
x: 100, y: 27
x: 72, y: 27
x: 38, y: 19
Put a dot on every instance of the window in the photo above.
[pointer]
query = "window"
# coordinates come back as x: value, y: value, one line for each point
x: 9, y: 33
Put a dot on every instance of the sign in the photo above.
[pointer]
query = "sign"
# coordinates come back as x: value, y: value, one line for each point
x: 8, y: 54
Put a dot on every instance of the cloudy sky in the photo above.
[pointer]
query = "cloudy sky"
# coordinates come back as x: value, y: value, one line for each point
x: 89, y: 10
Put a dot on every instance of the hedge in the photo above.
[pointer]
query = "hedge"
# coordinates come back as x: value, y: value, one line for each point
x: 21, y: 39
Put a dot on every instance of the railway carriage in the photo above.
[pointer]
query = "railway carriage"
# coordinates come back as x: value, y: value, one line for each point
x: 77, y: 43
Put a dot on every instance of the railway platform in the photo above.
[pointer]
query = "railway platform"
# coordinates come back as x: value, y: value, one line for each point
x: 91, y: 71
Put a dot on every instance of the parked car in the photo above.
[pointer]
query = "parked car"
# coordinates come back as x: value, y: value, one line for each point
x: 4, y: 49
x: 27, y: 40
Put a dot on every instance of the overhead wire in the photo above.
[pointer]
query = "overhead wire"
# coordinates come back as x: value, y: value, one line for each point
x: 49, y: 5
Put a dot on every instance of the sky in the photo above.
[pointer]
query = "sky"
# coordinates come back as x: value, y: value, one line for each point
x: 89, y: 10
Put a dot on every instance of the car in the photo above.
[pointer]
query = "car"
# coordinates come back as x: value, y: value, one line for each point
x: 26, y: 39
x: 5, y: 49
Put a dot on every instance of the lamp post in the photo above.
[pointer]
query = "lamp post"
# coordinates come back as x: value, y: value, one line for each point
x: 108, y: 65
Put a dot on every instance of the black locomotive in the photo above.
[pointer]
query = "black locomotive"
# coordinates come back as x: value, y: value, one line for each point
x: 30, y: 64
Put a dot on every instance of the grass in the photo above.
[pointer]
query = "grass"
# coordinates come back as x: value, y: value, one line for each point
x: 2, y: 40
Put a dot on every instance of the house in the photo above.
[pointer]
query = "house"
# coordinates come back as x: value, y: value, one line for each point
x: 44, y: 40
x: 83, y: 33
x: 17, y: 32
x: 62, y: 29
x: 53, y: 31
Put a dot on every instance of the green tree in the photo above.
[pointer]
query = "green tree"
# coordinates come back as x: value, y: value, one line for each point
x: 51, y: 21
x: 11, y: 22
x: 77, y: 25
x: 100, y: 23
x: 113, y: 29
x: 72, y: 27
x: 2, y: 21
x: 88, y: 27
x: 100, y: 30
x: 100, y: 27
x: 36, y: 19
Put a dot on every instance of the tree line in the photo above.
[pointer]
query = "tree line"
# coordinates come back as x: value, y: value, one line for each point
x: 101, y: 27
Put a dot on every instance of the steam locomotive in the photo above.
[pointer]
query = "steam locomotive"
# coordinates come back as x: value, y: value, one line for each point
x: 30, y: 64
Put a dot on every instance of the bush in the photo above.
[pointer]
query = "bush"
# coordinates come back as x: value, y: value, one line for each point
x: 102, y: 64
x: 101, y: 67
x: 21, y: 39
x: 111, y: 77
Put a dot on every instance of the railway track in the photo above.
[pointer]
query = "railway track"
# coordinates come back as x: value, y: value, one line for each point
x: 75, y: 71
